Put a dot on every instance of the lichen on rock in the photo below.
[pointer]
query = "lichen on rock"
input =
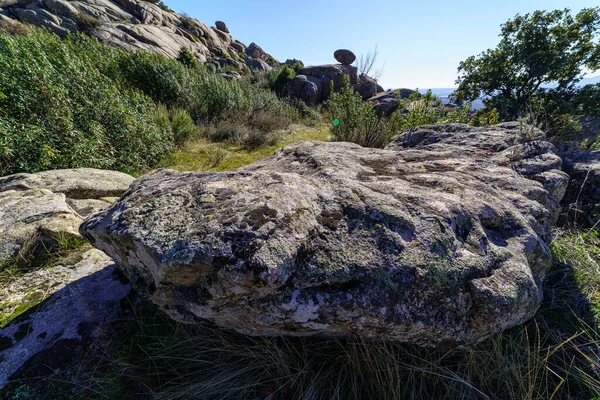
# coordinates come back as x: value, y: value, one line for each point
x: 439, y: 239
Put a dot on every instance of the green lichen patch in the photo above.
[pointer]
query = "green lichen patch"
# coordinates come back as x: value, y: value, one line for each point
x: 11, y: 311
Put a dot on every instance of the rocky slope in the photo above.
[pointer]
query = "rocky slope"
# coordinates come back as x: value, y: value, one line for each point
x: 440, y: 239
x: 140, y: 25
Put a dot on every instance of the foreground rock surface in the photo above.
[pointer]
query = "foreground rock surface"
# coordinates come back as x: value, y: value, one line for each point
x: 419, y: 243
x: 59, y: 307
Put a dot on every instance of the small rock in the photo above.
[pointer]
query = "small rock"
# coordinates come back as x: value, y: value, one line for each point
x: 344, y: 56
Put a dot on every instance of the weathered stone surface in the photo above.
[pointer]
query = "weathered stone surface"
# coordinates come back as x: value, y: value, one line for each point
x: 582, y: 201
x: 344, y: 56
x: 50, y: 306
x: 258, y: 64
x: 87, y: 207
x: 32, y: 221
x: 420, y: 242
x: 306, y: 88
x: 255, y: 51
x: 79, y: 183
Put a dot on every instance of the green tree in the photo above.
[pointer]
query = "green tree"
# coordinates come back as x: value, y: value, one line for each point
x: 541, y: 55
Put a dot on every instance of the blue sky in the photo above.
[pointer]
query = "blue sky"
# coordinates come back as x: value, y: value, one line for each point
x: 420, y: 42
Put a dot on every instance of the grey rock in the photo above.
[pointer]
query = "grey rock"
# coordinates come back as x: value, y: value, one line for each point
x: 80, y: 183
x: 307, y: 89
x: 258, y: 64
x: 62, y: 8
x: 255, y: 51
x: 386, y: 103
x: 87, y: 207
x: 32, y: 221
x: 239, y: 47
x: 418, y: 242
x: 221, y: 26
x: 133, y: 25
x: 366, y: 89
x: 344, y: 56
x: 330, y: 73
x: 64, y: 303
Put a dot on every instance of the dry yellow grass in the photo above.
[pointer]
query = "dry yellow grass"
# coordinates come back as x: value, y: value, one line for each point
x: 204, y: 155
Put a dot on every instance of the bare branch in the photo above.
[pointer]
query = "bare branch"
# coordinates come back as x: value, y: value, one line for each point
x: 366, y: 63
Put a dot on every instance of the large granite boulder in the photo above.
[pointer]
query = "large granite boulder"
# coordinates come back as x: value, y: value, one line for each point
x: 439, y: 239
x: 582, y: 201
x: 386, y: 103
x: 366, y: 89
x: 56, y: 292
x: 306, y: 88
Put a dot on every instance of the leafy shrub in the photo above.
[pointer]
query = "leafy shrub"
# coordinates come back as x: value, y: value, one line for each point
x: 356, y: 119
x: 285, y: 75
x: 484, y: 117
x: 186, y: 57
x: 427, y: 109
x: 182, y: 126
x: 52, y: 117
x: 166, y: 81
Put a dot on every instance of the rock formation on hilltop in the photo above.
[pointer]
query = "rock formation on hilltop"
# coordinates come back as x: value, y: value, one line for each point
x: 138, y: 25
x: 440, y: 239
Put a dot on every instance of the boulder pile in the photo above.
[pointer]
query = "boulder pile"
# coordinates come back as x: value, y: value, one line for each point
x: 138, y: 25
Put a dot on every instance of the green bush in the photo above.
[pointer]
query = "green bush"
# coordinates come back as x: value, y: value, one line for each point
x: 355, y: 120
x: 186, y: 57
x: 61, y: 107
x: 285, y: 75
x: 182, y: 126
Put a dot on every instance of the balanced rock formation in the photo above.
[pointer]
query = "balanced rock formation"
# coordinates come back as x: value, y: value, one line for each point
x: 440, y: 239
x: 345, y: 57
x: 131, y: 25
